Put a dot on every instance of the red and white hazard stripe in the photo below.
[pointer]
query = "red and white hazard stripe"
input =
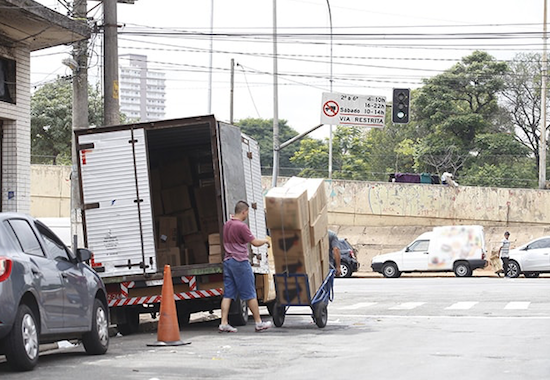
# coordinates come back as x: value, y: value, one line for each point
x: 157, y: 298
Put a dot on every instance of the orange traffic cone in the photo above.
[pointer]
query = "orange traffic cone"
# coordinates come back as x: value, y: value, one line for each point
x: 168, y: 331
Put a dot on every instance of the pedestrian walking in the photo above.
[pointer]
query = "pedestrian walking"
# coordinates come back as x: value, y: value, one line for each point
x: 496, y: 263
x: 504, y: 253
x: 238, y: 278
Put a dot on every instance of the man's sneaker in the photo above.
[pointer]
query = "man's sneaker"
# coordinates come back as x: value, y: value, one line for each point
x: 227, y: 328
x: 260, y: 326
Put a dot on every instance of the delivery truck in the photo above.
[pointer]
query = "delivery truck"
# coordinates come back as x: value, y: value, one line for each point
x: 157, y: 193
x: 458, y: 249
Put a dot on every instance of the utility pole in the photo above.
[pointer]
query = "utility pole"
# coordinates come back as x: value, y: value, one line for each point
x: 542, y: 144
x: 80, y: 113
x: 110, y: 67
x: 275, y: 100
x: 232, y: 91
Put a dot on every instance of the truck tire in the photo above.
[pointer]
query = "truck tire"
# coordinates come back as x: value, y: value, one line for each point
x: 131, y: 325
x: 238, y: 313
x: 462, y: 269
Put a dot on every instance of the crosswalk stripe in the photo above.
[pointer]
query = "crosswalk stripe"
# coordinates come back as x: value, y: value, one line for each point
x: 517, y: 305
x: 461, y: 306
x: 407, y: 306
x: 358, y: 305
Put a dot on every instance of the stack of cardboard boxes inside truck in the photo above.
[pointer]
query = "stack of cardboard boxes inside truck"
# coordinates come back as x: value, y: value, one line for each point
x: 184, y: 204
x: 298, y: 223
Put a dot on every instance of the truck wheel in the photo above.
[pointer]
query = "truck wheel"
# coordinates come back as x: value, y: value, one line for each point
x: 96, y: 341
x: 389, y: 270
x: 320, y: 314
x: 238, y: 313
x: 462, y: 269
x: 131, y: 326
x: 21, y: 344
x: 513, y: 269
x: 278, y: 314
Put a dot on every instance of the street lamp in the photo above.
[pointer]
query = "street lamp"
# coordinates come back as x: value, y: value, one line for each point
x: 330, y: 82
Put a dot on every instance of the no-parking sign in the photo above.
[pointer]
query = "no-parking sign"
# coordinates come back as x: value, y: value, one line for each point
x: 356, y: 110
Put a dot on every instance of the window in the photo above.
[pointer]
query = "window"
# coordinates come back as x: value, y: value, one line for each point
x: 56, y: 249
x: 26, y: 237
x: 7, y: 80
x: 542, y: 243
x: 419, y: 246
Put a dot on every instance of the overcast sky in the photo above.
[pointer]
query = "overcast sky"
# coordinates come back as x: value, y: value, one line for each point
x: 376, y: 46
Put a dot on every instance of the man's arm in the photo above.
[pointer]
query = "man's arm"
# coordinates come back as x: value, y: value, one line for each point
x: 259, y: 242
x: 336, y: 253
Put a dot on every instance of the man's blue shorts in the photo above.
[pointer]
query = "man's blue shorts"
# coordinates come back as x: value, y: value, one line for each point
x: 238, y: 280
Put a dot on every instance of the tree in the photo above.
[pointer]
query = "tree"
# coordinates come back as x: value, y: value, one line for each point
x: 51, y: 120
x: 456, y: 106
x: 261, y: 130
x: 522, y: 99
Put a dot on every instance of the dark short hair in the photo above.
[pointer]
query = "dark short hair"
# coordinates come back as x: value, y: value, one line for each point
x: 507, y: 233
x: 241, y: 206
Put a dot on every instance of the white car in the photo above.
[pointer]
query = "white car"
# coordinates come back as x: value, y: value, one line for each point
x: 531, y: 259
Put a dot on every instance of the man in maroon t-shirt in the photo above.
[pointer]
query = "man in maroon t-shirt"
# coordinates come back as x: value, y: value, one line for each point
x: 238, y: 278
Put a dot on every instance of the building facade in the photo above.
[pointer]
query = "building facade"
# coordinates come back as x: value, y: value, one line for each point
x: 142, y: 91
x: 25, y: 26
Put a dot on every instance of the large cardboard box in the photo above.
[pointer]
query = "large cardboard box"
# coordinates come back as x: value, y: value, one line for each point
x: 197, y: 248
x: 156, y: 192
x: 187, y: 222
x: 316, y: 194
x: 168, y: 256
x: 319, y: 227
x: 176, y: 199
x: 205, y: 197
x: 215, y: 258
x: 322, y: 249
x: 294, y: 290
x: 214, y: 249
x: 292, y: 251
x: 214, y: 239
x: 167, y: 236
x: 286, y: 208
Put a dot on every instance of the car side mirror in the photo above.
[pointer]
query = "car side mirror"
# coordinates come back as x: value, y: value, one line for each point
x: 83, y: 254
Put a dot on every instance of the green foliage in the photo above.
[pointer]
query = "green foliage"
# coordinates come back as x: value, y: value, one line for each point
x: 261, y: 130
x: 51, y: 121
x: 521, y: 174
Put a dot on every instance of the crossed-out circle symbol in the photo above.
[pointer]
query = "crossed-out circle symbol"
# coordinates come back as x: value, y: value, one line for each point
x: 331, y: 108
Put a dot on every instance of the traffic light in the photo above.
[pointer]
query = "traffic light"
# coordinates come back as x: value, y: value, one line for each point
x: 400, y: 105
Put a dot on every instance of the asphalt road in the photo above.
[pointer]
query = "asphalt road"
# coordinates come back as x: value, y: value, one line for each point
x: 405, y: 328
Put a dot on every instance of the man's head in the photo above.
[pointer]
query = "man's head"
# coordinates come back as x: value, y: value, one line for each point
x: 506, y: 234
x: 241, y: 210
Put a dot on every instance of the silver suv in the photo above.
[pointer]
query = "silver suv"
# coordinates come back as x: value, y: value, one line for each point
x: 47, y: 293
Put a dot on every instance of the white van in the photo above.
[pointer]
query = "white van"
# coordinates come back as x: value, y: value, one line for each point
x: 450, y: 248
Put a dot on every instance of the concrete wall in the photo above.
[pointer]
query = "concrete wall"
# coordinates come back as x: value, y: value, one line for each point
x: 376, y: 217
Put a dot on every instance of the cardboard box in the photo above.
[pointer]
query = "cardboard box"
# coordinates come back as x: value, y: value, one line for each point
x: 209, y: 226
x: 286, y: 208
x: 322, y: 249
x: 168, y: 256
x: 156, y: 192
x: 215, y: 258
x: 293, y: 290
x: 319, y: 228
x: 187, y: 222
x: 214, y: 239
x: 176, y: 172
x: 262, y: 286
x: 292, y: 251
x: 205, y: 197
x: 197, y: 248
x: 214, y: 249
x: 167, y: 232
x: 176, y: 199
x: 316, y: 194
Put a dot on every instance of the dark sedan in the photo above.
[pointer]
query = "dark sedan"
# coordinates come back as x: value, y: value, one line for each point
x: 348, y: 258
x: 47, y: 293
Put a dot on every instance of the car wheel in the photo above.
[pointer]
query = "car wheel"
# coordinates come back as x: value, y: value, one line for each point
x: 238, y: 313
x: 531, y: 274
x: 462, y: 269
x: 389, y: 270
x: 96, y: 341
x: 345, y: 270
x: 513, y: 269
x: 21, y: 345
x: 131, y: 326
